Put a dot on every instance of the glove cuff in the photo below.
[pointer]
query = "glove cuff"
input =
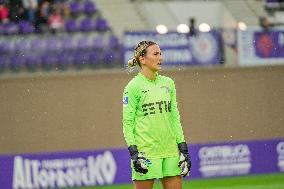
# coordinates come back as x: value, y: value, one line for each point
x: 133, y: 151
x: 183, y: 148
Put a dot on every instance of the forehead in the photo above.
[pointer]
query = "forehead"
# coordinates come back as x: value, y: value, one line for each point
x: 153, y: 48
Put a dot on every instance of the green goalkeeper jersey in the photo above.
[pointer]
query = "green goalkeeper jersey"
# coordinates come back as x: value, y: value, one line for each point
x: 151, y: 118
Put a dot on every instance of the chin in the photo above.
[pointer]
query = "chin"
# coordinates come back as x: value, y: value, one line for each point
x: 156, y: 68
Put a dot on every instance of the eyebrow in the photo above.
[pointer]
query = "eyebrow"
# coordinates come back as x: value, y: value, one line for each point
x: 157, y: 52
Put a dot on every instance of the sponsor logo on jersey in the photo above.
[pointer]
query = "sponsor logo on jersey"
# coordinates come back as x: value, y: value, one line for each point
x: 166, y: 88
x: 156, y: 107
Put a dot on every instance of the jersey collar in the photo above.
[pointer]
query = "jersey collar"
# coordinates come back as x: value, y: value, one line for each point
x: 149, y: 80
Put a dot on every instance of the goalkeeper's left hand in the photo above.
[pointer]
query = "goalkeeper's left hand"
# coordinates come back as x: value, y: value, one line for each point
x: 184, y: 162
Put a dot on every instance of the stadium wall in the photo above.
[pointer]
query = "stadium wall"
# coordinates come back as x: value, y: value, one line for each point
x: 172, y: 13
x: 82, y: 111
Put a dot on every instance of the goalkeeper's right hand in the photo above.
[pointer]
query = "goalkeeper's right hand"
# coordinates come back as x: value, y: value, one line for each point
x: 184, y: 162
x: 138, y: 160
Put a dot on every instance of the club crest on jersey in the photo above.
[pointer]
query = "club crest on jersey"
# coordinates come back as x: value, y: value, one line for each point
x: 166, y: 88
x: 125, y: 100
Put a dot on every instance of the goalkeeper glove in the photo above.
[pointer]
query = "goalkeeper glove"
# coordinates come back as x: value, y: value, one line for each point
x: 184, y: 162
x: 139, y: 161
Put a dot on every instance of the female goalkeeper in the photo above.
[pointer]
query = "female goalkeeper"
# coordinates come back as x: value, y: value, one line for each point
x: 151, y: 123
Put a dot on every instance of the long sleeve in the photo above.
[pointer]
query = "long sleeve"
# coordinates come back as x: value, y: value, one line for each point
x: 176, y: 116
x: 130, y: 101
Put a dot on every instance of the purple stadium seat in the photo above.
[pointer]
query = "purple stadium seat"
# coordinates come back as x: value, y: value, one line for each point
x: 102, y: 24
x: 113, y: 42
x: 65, y: 59
x: 38, y: 45
x: 83, y: 43
x: 48, y: 61
x: 32, y: 62
x: 53, y: 44
x: 75, y: 7
x: 17, y: 62
x: 98, y: 42
x: 108, y: 57
x: 4, y: 60
x: 87, y: 25
x: 67, y: 43
x: 81, y: 58
x: 90, y: 7
x: 72, y: 25
x: 6, y: 46
x: 22, y: 46
x: 112, y: 58
x: 10, y: 28
x: 96, y: 59
x: 26, y: 27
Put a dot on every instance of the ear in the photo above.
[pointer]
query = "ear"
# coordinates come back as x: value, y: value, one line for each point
x: 142, y: 60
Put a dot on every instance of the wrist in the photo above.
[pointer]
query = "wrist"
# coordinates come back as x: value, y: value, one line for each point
x: 183, y: 147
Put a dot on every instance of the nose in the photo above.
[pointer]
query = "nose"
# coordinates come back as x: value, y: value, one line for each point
x: 161, y: 58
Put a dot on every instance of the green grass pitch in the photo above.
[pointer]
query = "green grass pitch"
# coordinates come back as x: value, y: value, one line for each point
x: 268, y: 181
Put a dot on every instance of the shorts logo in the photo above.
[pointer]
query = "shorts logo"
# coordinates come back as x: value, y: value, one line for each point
x: 125, y: 100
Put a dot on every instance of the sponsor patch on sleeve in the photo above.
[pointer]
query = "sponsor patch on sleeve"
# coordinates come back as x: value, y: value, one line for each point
x: 125, y: 100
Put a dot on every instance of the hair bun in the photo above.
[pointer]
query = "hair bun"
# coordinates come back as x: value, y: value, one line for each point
x: 132, y: 62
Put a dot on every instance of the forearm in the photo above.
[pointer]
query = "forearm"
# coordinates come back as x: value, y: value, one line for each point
x: 176, y: 124
x: 129, y: 113
x: 128, y: 132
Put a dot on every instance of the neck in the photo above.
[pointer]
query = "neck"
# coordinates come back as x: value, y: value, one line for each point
x: 149, y: 73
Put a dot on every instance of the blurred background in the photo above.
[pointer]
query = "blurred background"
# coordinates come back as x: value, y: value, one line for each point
x: 62, y: 74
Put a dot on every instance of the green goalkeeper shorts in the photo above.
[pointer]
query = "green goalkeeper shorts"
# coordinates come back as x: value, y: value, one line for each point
x: 159, y: 168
